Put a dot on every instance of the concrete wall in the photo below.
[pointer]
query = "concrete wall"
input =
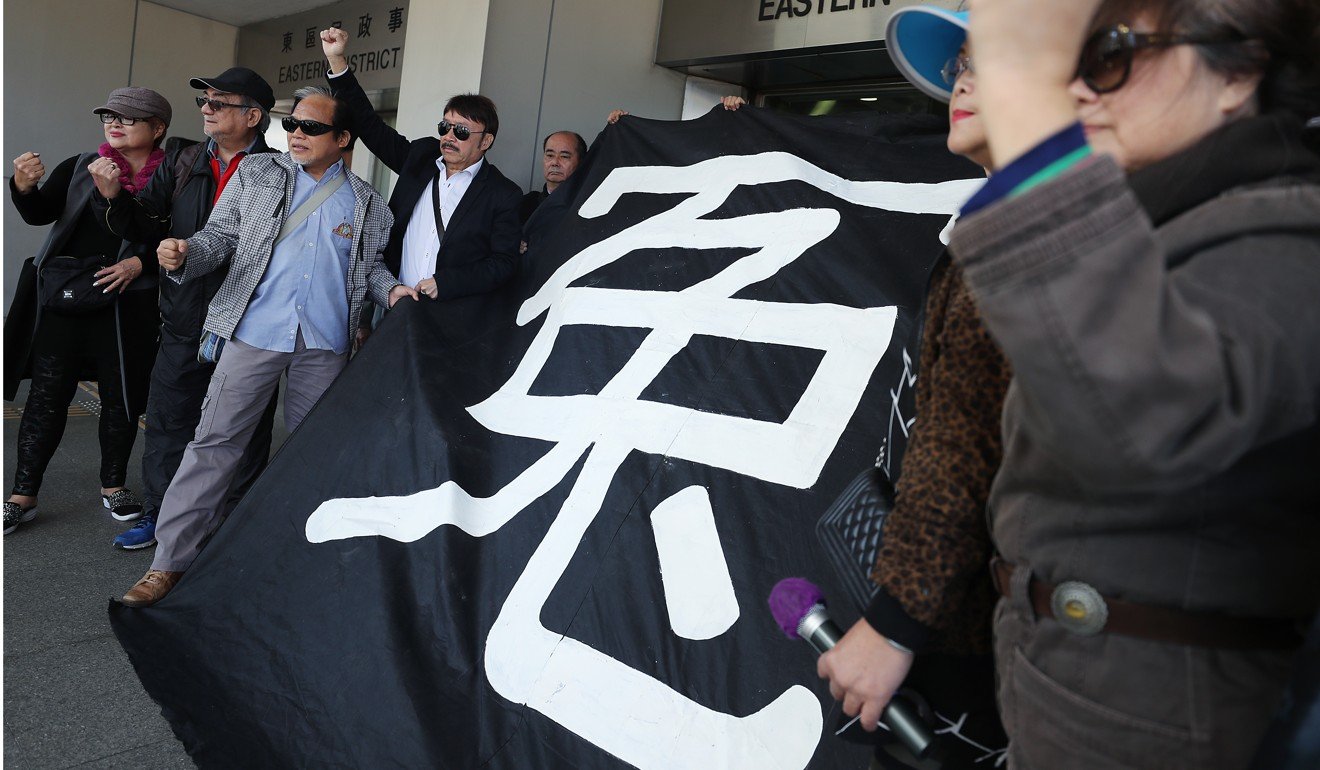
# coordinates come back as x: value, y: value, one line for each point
x: 62, y: 57
x: 442, y: 57
x: 596, y: 55
x: 702, y: 94
x: 517, y: 38
x: 173, y: 47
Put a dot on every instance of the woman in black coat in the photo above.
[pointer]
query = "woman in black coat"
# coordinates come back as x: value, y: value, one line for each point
x: 95, y: 303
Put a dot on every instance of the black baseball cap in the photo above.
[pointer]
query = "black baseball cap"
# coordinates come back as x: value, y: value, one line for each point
x: 242, y: 81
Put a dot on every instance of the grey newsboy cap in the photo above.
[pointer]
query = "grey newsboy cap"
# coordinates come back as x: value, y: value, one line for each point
x: 137, y: 103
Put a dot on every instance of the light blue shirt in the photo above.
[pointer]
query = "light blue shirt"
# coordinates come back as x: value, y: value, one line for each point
x: 305, y: 286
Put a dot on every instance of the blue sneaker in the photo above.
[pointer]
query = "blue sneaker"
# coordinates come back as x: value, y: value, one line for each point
x: 141, y: 535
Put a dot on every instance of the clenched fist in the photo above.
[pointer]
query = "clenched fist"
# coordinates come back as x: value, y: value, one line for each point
x: 334, y: 42
x: 28, y: 170
x: 105, y: 175
x: 171, y: 253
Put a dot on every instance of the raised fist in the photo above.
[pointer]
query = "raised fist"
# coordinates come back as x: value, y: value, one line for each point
x: 105, y: 174
x: 171, y: 253
x: 334, y: 41
x: 28, y: 170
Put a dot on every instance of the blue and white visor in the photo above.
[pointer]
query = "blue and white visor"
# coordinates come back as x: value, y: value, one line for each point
x: 921, y: 38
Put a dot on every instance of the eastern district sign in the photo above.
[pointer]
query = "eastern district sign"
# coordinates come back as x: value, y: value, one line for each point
x: 777, y: 9
x: 287, y: 51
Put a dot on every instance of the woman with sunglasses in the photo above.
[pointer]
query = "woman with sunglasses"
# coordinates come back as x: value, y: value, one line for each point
x: 1147, y: 254
x: 95, y: 303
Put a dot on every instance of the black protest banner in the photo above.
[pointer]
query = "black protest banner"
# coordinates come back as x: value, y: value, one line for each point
x: 538, y: 528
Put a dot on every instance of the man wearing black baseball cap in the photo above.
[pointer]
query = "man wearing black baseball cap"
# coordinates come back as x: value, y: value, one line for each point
x: 239, y: 81
x: 176, y: 203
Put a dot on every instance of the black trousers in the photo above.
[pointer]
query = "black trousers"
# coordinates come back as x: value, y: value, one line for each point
x: 65, y: 346
x: 178, y: 387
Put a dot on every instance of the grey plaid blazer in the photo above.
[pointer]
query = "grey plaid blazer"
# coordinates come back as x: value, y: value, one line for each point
x: 242, y: 230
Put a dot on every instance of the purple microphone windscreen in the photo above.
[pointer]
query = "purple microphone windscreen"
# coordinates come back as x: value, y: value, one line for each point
x: 790, y: 600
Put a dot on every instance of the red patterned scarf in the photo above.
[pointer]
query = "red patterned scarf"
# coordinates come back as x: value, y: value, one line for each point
x: 134, y: 183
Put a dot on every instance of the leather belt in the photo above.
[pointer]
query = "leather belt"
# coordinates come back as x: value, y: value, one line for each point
x: 1081, y: 609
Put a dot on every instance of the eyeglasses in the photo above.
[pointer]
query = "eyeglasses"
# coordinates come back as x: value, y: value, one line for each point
x: 217, y: 105
x: 1106, y: 60
x: 955, y: 67
x: 461, y: 133
x: 114, y: 117
x: 309, y: 127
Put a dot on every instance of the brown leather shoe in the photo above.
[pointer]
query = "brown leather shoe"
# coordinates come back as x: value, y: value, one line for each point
x: 151, y: 588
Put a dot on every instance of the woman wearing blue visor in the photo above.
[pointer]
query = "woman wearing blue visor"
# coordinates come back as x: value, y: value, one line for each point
x: 928, y: 629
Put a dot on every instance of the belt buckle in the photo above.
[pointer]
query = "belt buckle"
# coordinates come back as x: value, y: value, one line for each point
x: 1079, y: 608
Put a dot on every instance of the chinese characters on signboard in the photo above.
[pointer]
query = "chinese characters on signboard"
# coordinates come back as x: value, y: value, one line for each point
x: 287, y: 51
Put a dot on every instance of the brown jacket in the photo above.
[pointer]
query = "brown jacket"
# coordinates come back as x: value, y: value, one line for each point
x: 1162, y: 438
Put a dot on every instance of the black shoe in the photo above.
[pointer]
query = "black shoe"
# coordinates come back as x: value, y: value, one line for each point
x: 123, y: 506
x: 15, y: 514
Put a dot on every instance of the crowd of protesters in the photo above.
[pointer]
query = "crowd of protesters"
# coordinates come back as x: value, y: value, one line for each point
x: 1119, y: 366
x: 135, y: 327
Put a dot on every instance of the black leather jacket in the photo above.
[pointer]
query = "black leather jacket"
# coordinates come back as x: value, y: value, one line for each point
x: 159, y: 211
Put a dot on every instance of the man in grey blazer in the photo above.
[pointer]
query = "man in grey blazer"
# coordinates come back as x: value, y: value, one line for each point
x: 303, y: 238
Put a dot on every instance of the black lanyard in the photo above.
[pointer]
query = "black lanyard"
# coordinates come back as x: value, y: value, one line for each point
x: 435, y: 200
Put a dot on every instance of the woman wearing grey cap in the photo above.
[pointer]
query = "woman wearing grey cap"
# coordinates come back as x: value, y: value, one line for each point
x: 93, y: 302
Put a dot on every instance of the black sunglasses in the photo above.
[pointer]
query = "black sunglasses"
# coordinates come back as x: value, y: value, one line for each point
x: 461, y: 133
x: 217, y: 105
x: 112, y: 117
x: 309, y: 127
x: 1106, y: 60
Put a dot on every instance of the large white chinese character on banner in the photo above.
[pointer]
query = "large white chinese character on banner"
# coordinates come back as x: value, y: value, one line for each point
x: 626, y: 712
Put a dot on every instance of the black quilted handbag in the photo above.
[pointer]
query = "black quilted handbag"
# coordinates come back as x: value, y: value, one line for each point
x: 850, y: 531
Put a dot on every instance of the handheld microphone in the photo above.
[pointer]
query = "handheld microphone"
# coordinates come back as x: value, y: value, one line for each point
x: 799, y: 609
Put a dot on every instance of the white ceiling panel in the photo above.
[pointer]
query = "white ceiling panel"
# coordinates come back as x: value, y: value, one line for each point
x: 240, y: 13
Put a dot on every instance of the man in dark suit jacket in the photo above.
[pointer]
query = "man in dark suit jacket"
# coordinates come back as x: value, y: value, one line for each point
x: 446, y: 179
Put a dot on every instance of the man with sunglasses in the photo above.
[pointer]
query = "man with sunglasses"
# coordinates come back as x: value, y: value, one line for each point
x: 303, y: 237
x: 456, y: 230
x: 176, y: 203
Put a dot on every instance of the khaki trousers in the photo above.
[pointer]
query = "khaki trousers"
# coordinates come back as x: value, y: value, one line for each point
x: 241, y: 387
